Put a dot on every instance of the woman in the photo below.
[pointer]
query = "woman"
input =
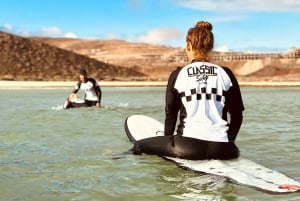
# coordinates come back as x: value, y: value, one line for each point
x: 91, y: 89
x: 203, y: 93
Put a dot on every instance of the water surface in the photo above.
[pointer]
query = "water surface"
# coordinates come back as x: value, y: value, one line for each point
x: 47, y: 153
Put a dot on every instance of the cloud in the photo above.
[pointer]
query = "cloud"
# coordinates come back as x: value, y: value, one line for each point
x: 228, y: 18
x: 6, y: 28
x: 43, y: 32
x: 158, y: 36
x: 50, y: 32
x: 222, y: 48
x: 54, y: 32
x: 70, y: 35
x: 24, y: 33
x: 242, y: 5
x: 113, y: 36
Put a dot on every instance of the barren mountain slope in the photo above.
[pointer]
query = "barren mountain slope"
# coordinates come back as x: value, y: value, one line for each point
x: 27, y: 59
x: 158, y: 61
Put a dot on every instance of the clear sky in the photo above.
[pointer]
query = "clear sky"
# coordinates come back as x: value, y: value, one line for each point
x: 238, y: 25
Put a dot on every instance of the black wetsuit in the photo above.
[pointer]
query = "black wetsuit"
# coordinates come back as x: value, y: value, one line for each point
x: 203, y: 93
x: 92, y: 95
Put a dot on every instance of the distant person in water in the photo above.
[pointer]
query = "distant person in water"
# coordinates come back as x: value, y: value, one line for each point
x: 91, y: 89
x: 203, y: 94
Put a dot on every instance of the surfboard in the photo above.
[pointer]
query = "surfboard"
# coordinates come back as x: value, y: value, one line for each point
x: 241, y: 171
x: 73, y: 99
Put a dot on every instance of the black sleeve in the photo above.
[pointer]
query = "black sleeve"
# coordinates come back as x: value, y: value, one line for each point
x: 234, y: 105
x: 77, y: 87
x: 172, y: 104
x: 99, y: 93
x: 97, y: 89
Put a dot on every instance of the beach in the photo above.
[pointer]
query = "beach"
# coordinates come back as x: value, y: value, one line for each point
x: 67, y: 84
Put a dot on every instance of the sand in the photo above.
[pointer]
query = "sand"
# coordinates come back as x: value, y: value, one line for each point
x: 71, y: 84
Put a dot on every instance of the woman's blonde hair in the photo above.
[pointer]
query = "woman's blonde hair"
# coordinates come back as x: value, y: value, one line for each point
x: 201, y: 39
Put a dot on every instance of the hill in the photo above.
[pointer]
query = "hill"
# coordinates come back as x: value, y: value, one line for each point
x: 28, y: 59
x: 157, y: 62
x: 58, y: 59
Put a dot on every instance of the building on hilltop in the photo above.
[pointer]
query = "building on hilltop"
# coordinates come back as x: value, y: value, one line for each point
x: 293, y: 53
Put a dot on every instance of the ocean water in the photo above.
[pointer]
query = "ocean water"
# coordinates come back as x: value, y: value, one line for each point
x: 47, y: 153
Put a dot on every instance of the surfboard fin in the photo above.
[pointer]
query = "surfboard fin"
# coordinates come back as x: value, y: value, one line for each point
x: 290, y: 187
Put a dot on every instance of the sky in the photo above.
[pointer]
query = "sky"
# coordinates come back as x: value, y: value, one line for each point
x: 238, y: 25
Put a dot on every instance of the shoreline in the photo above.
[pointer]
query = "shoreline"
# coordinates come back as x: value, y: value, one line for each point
x: 70, y: 84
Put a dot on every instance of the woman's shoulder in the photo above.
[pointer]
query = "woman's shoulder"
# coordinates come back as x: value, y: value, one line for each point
x: 228, y: 72
x: 91, y: 80
x: 176, y: 71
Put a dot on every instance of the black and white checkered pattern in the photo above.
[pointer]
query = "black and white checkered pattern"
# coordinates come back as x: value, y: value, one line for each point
x: 203, y: 92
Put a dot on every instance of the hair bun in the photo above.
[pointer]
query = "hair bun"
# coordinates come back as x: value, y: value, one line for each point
x: 204, y: 25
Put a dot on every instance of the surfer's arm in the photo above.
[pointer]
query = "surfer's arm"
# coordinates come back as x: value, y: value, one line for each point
x: 97, y: 90
x: 172, y: 104
x: 235, y: 109
x: 234, y: 125
x: 99, y: 93
x: 77, y: 87
x: 235, y: 105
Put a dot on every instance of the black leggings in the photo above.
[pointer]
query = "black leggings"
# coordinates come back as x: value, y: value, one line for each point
x: 186, y: 148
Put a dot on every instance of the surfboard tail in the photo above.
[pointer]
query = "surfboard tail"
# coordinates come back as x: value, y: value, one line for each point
x: 290, y: 187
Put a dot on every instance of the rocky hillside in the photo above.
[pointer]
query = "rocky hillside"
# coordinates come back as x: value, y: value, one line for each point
x: 158, y: 61
x: 28, y: 59
x: 153, y: 60
x: 60, y: 58
x: 266, y: 70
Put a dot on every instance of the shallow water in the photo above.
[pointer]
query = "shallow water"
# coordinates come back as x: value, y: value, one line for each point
x: 47, y: 153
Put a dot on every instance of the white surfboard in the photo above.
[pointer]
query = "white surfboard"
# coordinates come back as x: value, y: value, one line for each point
x: 241, y: 171
x: 72, y: 98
